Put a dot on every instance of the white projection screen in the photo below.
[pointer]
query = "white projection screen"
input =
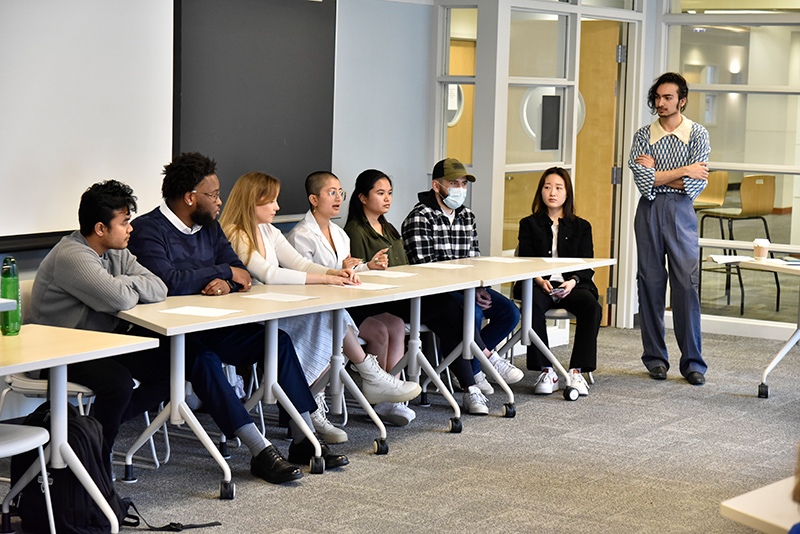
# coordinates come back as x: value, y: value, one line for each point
x: 86, y: 90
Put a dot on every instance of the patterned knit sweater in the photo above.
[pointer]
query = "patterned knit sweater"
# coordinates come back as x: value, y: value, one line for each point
x: 670, y: 152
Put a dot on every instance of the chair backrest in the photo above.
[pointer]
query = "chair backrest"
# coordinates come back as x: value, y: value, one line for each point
x: 25, y: 290
x: 715, y: 191
x: 758, y: 195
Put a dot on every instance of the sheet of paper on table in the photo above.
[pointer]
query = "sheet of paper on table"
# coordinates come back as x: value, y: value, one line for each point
x: 564, y: 260
x: 280, y: 297
x: 369, y: 286
x: 723, y: 259
x: 387, y: 274
x: 444, y: 266
x: 199, y: 311
x: 500, y: 259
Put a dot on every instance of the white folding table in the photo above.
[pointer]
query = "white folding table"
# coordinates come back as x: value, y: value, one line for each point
x: 42, y: 347
x: 769, y: 509
x: 501, y: 270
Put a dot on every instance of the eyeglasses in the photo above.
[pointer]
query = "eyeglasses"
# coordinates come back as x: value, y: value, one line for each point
x: 212, y: 196
x: 332, y: 193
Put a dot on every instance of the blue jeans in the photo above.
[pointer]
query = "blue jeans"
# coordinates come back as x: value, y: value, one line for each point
x: 239, y: 345
x: 503, y: 316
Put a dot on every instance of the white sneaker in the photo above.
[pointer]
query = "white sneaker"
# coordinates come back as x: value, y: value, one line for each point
x: 379, y: 386
x: 395, y: 413
x: 546, y: 383
x: 474, y: 401
x: 507, y: 370
x: 322, y: 425
x: 483, y: 384
x: 578, y: 382
x: 480, y: 381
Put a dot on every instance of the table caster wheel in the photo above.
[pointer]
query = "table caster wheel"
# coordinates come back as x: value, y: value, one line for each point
x: 763, y: 391
x: 223, y: 450
x: 423, y: 399
x: 571, y: 394
x: 508, y: 410
x: 128, y: 478
x: 317, y: 465
x: 227, y: 490
x: 379, y: 446
x: 455, y: 425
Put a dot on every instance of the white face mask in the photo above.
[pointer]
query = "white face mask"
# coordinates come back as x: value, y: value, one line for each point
x: 455, y: 197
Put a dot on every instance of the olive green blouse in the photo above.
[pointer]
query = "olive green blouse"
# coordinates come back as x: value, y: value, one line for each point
x: 365, y: 242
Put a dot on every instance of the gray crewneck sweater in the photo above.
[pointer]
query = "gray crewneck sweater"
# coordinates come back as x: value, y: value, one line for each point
x: 76, y: 288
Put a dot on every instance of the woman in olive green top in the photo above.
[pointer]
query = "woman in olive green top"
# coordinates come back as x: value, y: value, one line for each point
x: 362, y: 239
x: 366, y: 225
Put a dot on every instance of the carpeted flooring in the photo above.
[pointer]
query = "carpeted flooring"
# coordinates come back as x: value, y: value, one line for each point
x: 636, y: 456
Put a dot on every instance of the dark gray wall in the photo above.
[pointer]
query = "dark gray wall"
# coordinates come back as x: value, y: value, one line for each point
x: 256, y: 89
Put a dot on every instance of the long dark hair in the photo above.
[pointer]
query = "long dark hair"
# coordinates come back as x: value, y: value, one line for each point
x: 364, y: 184
x: 538, y: 207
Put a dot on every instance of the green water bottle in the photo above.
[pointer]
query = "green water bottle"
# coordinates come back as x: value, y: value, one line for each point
x: 10, y: 321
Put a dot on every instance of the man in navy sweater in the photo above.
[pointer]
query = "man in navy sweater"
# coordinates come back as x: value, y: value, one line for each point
x: 182, y: 243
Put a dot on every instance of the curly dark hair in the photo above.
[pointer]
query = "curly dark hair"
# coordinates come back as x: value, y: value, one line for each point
x: 100, y: 203
x: 184, y: 173
x: 668, y: 77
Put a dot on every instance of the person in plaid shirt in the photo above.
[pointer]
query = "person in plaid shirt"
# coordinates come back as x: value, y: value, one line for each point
x: 669, y: 160
x: 441, y: 228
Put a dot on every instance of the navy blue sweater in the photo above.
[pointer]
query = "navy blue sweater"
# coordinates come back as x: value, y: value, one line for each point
x: 186, y: 263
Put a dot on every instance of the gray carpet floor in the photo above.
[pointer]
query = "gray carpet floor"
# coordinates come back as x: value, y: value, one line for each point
x: 635, y: 456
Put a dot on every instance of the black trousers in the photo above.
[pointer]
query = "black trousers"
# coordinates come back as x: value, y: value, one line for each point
x: 587, y: 311
x: 111, y: 379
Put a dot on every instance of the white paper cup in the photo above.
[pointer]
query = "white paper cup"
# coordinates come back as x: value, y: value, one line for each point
x: 761, y: 248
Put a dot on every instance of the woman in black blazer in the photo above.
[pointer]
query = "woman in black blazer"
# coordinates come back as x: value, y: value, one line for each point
x: 553, y: 213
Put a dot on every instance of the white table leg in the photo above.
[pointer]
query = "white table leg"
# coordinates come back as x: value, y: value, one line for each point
x: 338, y: 379
x: 58, y: 414
x: 86, y: 481
x: 179, y: 412
x: 271, y: 392
x: 337, y: 364
x: 530, y: 337
x: 763, y: 389
x: 470, y: 349
x: 61, y: 454
x: 415, y: 359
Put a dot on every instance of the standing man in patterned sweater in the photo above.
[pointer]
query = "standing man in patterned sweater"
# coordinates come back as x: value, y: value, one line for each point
x: 441, y: 228
x: 669, y: 160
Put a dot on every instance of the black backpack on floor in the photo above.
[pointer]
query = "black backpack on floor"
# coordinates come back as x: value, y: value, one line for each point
x: 73, y: 509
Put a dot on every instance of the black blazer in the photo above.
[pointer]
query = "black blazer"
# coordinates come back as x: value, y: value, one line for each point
x: 574, y: 241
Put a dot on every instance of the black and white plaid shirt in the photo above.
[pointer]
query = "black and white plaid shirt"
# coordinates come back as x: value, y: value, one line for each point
x: 429, y: 236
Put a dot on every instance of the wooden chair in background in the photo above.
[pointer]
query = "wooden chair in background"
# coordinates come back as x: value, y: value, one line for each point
x: 757, y: 195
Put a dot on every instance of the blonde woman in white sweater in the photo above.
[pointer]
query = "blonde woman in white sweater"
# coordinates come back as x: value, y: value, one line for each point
x: 270, y: 259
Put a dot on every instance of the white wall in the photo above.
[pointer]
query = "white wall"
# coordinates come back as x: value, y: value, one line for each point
x: 381, y: 96
x: 86, y: 96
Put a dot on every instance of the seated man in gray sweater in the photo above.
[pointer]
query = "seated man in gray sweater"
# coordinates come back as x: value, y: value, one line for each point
x: 82, y: 283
